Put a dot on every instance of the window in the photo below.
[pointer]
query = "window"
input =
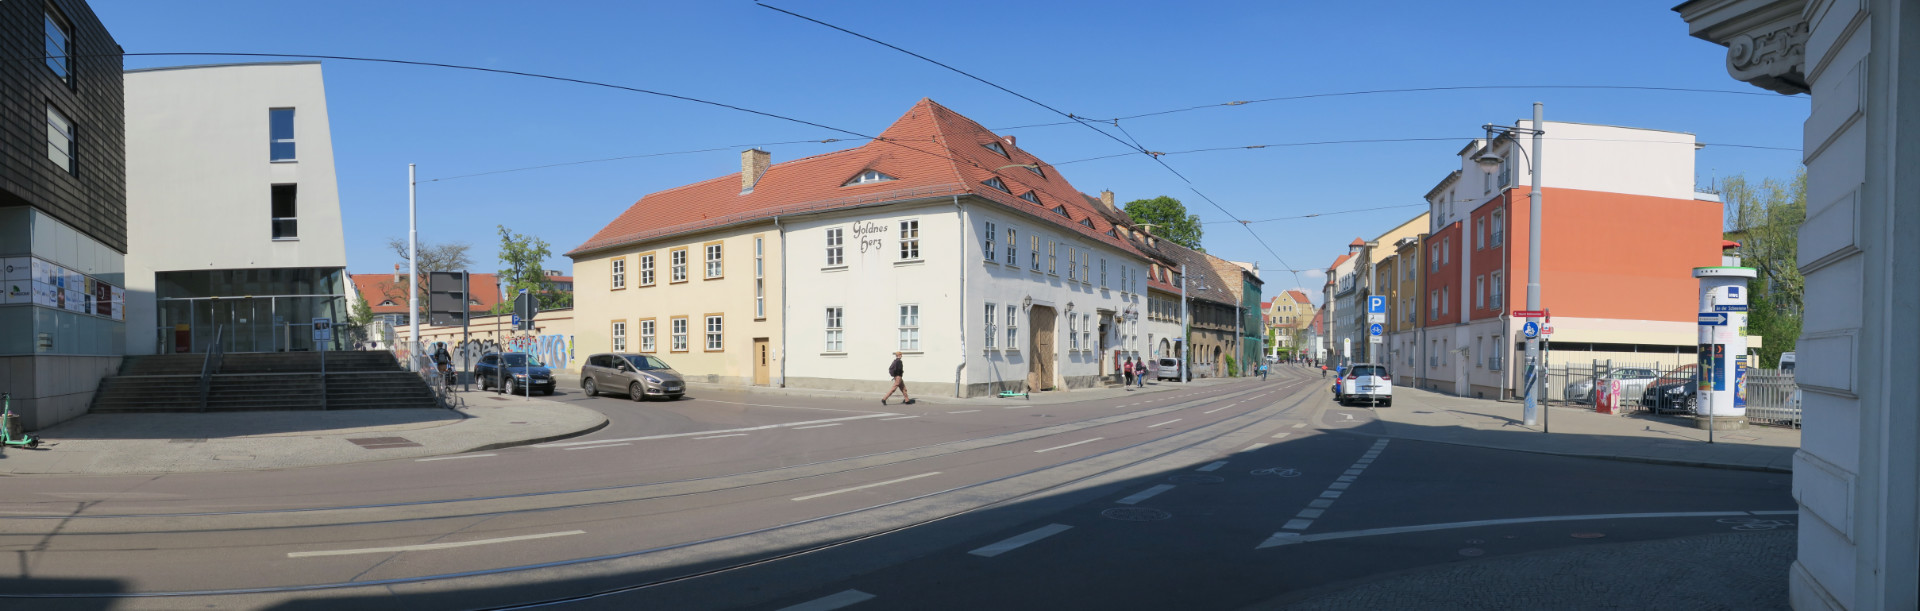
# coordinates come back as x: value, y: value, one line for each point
x: 867, y: 177
x: 1030, y: 196
x: 286, y: 221
x: 60, y: 136
x: 1035, y: 168
x: 992, y: 333
x: 646, y: 269
x: 677, y: 264
x: 836, y: 335
x: 713, y: 260
x: 646, y: 335
x: 1446, y: 296
x: 1053, y: 248
x: 619, y: 273
x: 996, y: 183
x: 280, y: 134
x: 1071, y: 253
x: 1084, y: 269
x: 995, y: 147
x: 1013, y: 247
x: 1103, y: 272
x: 1073, y: 331
x: 1479, y: 291
x: 1013, y: 327
x: 989, y: 250
x: 59, y: 46
x: 1060, y: 210
x: 909, y: 240
x: 836, y: 247
x: 1479, y: 352
x: 1434, y: 259
x: 619, y: 336
x: 713, y: 333
x: 1498, y: 229
x: 1498, y: 300
x: 909, y: 327
x: 1446, y: 250
x: 1086, y: 331
x: 680, y: 334
x: 1086, y: 222
x: 1033, y: 242
x: 1479, y: 233
x: 759, y: 277
x: 1433, y: 305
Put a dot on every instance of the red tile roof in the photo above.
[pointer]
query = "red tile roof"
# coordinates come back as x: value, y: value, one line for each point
x: 379, y: 288
x: 931, y: 151
x: 1299, y: 295
x: 1358, y: 242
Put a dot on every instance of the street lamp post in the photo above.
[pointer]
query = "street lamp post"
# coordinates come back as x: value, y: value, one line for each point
x: 1490, y: 163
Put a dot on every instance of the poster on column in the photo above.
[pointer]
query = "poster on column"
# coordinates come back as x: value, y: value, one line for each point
x: 119, y: 303
x: 46, y: 295
x: 17, y: 268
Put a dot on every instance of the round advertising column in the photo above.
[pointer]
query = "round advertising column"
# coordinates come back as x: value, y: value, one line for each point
x: 1721, y: 400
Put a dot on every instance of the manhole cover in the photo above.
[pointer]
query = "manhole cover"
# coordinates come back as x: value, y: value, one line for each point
x: 381, y: 443
x: 1471, y: 552
x: 1588, y: 535
x: 1282, y: 472
x: 1135, y: 514
x: 1196, y: 479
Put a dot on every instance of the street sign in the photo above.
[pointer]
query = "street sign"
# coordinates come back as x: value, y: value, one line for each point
x: 322, y: 329
x: 1730, y: 308
x: 1714, y: 319
x: 447, y: 298
x: 525, y: 307
x: 1530, y: 313
x: 1531, y: 329
x: 1373, y: 318
x: 516, y: 321
x: 1376, y: 304
x: 1375, y: 329
x: 1546, y: 330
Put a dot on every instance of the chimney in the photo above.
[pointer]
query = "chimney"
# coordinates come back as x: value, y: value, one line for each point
x: 753, y: 165
x: 1009, y: 141
x: 1106, y: 199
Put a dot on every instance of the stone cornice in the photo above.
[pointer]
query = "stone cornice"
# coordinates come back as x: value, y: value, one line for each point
x: 1766, y: 40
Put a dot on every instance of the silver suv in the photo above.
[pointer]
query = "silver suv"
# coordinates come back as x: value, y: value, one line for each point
x: 639, y: 376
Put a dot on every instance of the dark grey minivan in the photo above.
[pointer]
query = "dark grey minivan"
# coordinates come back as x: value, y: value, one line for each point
x: 637, y: 375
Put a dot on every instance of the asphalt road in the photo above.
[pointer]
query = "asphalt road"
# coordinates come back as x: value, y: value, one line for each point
x: 1207, y: 497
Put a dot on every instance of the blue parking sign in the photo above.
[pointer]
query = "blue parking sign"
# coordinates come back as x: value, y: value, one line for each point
x: 1376, y: 304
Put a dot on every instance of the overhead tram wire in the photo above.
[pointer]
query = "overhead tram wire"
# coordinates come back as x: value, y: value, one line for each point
x: 1445, y: 139
x: 1319, y: 214
x: 625, y: 157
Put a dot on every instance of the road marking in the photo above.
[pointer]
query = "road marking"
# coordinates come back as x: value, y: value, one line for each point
x: 1345, y: 478
x: 428, y: 546
x: 1145, y: 494
x: 1282, y: 436
x: 1320, y: 503
x: 1355, y: 471
x: 1310, y: 513
x: 821, y: 426
x: 1338, y: 486
x: 1300, y: 425
x: 1069, y: 445
x: 1215, y: 410
x: 726, y: 435
x: 1363, y: 461
x: 866, y: 486
x: 1014, y: 542
x: 454, y: 457
x: 824, y: 409
x: 1213, y: 465
x: 610, y: 445
x: 1330, y: 494
x: 964, y: 411
x: 882, y: 419
x: 1297, y: 524
x: 1394, y: 530
x: 829, y: 603
x: 700, y: 433
x: 1163, y: 423
x: 1018, y: 406
x: 1254, y: 447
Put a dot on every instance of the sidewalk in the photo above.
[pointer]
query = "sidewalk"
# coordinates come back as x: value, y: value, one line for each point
x: 1430, y: 416
x: 116, y: 444
x: 568, y: 382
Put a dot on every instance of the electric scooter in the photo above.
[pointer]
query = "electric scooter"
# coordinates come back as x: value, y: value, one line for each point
x: 9, y: 426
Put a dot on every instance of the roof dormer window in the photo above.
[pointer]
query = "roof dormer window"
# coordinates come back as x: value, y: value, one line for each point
x: 1062, y: 211
x: 995, y: 147
x: 996, y: 183
x: 1035, y: 168
x: 1087, y: 221
x: 867, y: 177
x: 1112, y: 234
x: 1030, y: 196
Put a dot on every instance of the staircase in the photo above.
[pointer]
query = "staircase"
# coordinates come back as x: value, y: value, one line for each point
x: 263, y: 381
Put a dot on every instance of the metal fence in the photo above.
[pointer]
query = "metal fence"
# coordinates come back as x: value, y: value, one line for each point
x: 1772, y: 397
x: 1573, y: 383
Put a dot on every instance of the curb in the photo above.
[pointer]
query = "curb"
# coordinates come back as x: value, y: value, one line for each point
x: 527, y: 442
x: 1635, y: 459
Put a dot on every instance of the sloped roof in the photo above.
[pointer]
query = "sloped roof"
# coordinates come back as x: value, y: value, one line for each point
x: 1358, y: 242
x: 931, y: 151
x: 379, y: 288
x: 1205, y: 282
x: 1299, y: 295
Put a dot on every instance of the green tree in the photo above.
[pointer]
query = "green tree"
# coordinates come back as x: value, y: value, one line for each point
x: 1765, y: 219
x: 526, y: 260
x: 1169, y: 219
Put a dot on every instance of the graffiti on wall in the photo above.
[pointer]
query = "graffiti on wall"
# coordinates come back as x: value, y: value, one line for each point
x: 553, y: 351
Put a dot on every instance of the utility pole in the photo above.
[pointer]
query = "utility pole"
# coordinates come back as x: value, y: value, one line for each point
x: 413, y: 274
x: 1532, y: 410
x: 1186, y: 328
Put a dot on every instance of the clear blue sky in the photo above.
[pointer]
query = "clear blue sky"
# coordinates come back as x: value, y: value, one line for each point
x: 1098, y: 59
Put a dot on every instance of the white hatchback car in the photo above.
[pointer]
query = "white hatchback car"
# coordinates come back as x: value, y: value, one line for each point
x: 1370, y: 384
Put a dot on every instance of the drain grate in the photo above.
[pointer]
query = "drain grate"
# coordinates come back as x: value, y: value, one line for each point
x: 1135, y: 514
x: 381, y: 443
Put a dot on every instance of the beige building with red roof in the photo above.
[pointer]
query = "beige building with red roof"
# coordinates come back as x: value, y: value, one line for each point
x: 939, y: 239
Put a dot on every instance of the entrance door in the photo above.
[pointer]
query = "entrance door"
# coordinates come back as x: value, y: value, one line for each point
x: 761, y: 371
x: 1040, y: 369
x: 1460, y: 375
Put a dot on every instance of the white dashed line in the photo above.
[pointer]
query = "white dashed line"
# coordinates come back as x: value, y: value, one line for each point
x: 1069, y: 445
x: 566, y: 444
x: 1320, y: 503
x: 1297, y: 524
x: 1163, y: 423
x: 1345, y: 478
x: 1215, y: 410
x: 883, y: 419
x: 1015, y: 542
x: 820, y: 426
x: 1301, y: 425
x: 1330, y: 494
x: 1213, y: 465
x: 1394, y: 530
x: 1145, y: 494
x: 865, y: 486
x: 829, y: 603
x: 726, y: 435
x: 610, y: 445
x: 428, y: 546
x: 1310, y: 513
x: 453, y: 457
x: 1339, y: 486
x: 964, y: 411
x: 1254, y: 447
x: 1282, y: 435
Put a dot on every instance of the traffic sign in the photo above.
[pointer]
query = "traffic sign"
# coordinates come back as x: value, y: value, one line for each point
x: 1373, y: 318
x: 1730, y: 308
x: 516, y: 321
x: 1376, y: 329
x: 1531, y: 329
x: 1713, y: 319
x: 1376, y: 304
x: 1530, y: 313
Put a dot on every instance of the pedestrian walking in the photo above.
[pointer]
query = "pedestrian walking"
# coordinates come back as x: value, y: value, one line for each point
x: 1263, y: 372
x: 896, y: 370
x: 1140, y: 374
x: 1126, y: 374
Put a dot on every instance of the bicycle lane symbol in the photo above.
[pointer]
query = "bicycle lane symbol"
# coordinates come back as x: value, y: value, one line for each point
x: 1756, y: 523
x: 1286, y: 472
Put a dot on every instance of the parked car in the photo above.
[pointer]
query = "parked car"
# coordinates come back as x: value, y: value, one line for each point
x: 1169, y: 370
x: 513, y: 371
x: 1367, y: 383
x: 639, y: 376
x: 1786, y: 362
x: 1674, y: 391
x: 1633, y: 381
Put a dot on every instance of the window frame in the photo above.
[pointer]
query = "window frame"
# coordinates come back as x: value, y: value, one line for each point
x: 834, y: 338
x: 71, y: 163
x: 59, y: 22
x: 677, y: 333
x: 990, y: 250
x: 292, y: 140
x: 713, y: 332
x: 1013, y: 328
x: 759, y: 277
x: 677, y: 271
x: 989, y: 326
x: 648, y: 329
x: 1053, y: 256
x: 1480, y: 291
x: 713, y: 260
x: 274, y: 205
x: 997, y: 184
x: 617, y: 274
x: 836, y: 248
x: 617, y: 334
x: 1033, y: 243
x: 646, y: 267
x: 1085, y: 268
x: 1013, y: 247
x: 909, y: 246
x: 909, y: 328
x: 1072, y: 252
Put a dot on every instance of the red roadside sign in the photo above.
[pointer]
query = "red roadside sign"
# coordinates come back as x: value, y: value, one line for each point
x: 1530, y: 313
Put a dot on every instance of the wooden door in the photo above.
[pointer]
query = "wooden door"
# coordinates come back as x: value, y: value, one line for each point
x: 761, y: 370
x: 1042, y: 323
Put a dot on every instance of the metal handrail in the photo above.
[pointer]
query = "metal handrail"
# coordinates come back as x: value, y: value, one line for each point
x: 211, y: 364
x: 323, y: 378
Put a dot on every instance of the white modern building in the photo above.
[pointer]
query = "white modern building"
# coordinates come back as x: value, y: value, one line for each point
x: 233, y: 215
